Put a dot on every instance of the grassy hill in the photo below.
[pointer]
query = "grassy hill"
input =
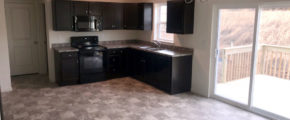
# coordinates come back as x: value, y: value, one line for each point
x: 237, y: 27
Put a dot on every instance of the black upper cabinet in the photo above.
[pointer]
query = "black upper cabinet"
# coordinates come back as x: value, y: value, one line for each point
x: 81, y: 8
x: 95, y: 9
x: 180, y: 17
x: 131, y: 16
x: 62, y: 15
x: 87, y: 8
x: 138, y: 16
x: 145, y: 16
x: 112, y: 16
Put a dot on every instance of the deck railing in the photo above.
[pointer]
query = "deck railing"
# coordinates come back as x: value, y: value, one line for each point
x: 272, y: 61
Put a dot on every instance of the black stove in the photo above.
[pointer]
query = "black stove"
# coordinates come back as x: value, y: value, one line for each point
x: 91, y: 57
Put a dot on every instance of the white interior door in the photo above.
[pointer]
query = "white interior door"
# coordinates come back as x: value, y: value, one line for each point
x: 22, y: 38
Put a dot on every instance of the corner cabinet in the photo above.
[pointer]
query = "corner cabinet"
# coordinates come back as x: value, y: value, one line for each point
x: 180, y: 17
x: 170, y: 74
x: 145, y: 16
x: 138, y: 16
x: 112, y: 16
x: 116, y: 63
x: 131, y: 16
x: 66, y: 68
x: 62, y: 15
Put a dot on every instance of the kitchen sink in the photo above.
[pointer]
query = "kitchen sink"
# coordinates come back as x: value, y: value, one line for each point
x: 167, y: 52
x: 145, y: 47
x: 151, y: 48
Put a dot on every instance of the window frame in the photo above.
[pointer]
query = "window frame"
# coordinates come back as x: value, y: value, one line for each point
x: 158, y: 23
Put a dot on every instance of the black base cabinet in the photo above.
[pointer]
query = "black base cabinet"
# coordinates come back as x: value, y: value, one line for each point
x: 116, y: 63
x: 170, y: 74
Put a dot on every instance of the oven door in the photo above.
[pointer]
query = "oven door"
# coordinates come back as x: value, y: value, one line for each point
x: 91, y: 67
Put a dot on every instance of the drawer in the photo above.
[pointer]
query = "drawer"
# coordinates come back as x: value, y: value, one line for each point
x: 116, y: 51
x: 69, y: 55
x: 114, y: 59
x: 114, y: 70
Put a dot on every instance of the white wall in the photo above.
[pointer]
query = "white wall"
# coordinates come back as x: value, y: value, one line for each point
x: 4, y: 59
x: 64, y: 36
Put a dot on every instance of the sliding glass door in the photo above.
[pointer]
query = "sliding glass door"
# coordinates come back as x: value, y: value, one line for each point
x: 252, y: 61
x: 236, y: 30
x: 271, y: 88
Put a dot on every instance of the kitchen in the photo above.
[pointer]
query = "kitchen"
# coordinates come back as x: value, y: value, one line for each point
x: 98, y: 53
x: 96, y: 61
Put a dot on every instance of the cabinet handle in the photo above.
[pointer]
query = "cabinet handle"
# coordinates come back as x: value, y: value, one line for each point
x: 143, y: 61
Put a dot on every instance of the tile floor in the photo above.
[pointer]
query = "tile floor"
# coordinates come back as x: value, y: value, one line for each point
x: 34, y: 98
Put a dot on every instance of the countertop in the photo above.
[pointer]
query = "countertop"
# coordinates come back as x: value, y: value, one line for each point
x: 168, y: 51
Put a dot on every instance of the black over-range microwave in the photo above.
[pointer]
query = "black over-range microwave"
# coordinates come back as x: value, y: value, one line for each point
x: 88, y: 23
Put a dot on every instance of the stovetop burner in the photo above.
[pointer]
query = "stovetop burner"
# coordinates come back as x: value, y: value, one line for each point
x: 93, y: 48
x: 87, y: 43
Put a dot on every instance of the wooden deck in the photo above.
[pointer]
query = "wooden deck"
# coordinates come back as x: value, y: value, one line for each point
x: 270, y: 93
x: 235, y: 62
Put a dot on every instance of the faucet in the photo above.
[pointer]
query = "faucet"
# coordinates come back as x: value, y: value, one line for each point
x: 157, y: 43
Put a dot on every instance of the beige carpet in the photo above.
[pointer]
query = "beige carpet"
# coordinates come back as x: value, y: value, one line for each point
x: 34, y: 98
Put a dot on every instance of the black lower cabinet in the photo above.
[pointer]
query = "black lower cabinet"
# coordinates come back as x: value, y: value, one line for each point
x: 66, y: 68
x: 170, y: 74
x: 116, y: 63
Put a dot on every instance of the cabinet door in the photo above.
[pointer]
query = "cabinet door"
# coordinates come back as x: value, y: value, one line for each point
x: 132, y: 61
x: 95, y: 9
x: 151, y: 72
x: 62, y: 15
x: 180, y: 17
x: 145, y: 16
x: 137, y: 64
x: 163, y: 73
x: 81, y: 8
x: 175, y: 16
x: 117, y: 63
x: 112, y: 16
x: 131, y: 16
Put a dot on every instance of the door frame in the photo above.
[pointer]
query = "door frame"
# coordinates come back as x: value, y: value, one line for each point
x: 214, y: 47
